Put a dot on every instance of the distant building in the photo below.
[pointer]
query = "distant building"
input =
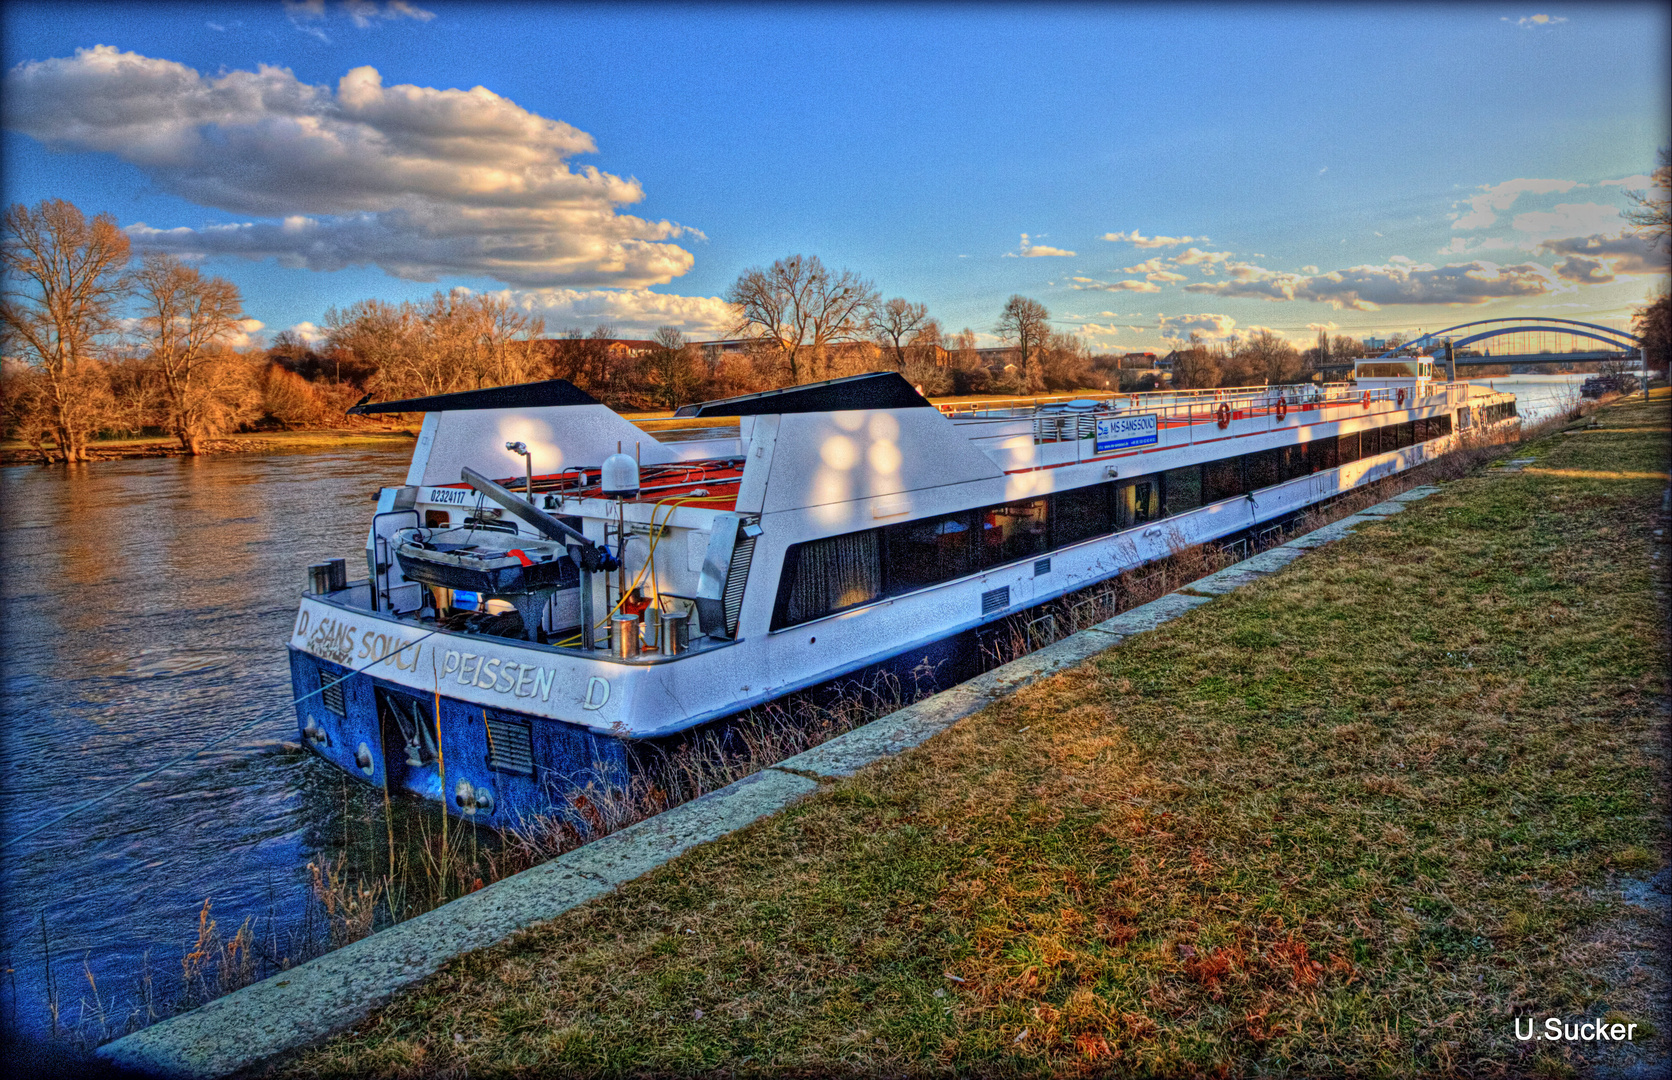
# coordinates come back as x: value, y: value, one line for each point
x: 1375, y: 343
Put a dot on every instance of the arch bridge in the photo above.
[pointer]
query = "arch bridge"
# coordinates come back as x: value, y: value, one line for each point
x: 1539, y: 340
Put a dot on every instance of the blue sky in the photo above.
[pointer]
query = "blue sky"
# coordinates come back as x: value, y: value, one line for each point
x: 1215, y: 168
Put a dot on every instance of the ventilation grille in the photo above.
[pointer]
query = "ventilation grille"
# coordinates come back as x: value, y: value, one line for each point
x: 996, y: 600
x: 737, y: 575
x: 1041, y: 567
x: 510, y: 746
x: 331, y: 692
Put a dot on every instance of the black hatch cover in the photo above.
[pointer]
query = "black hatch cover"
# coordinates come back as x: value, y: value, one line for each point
x: 877, y: 390
x: 533, y: 395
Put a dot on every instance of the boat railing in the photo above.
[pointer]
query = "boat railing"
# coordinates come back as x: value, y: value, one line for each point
x: 1187, y: 409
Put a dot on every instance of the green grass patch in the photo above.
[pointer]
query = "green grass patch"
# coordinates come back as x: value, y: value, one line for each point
x: 1350, y: 819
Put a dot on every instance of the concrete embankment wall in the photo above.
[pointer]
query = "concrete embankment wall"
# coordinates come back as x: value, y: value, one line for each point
x: 332, y: 993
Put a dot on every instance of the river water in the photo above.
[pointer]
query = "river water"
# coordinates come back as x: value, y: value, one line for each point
x: 145, y: 608
x: 146, y: 604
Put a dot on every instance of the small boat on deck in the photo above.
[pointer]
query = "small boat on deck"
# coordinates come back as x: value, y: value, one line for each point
x: 509, y: 645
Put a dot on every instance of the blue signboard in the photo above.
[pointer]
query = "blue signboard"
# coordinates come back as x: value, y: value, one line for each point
x: 1118, y: 432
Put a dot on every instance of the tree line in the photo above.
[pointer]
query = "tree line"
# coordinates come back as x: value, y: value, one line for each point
x: 95, y: 344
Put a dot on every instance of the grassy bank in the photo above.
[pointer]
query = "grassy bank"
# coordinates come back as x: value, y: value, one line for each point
x: 1353, y: 818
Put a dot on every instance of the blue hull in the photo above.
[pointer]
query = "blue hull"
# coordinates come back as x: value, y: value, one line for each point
x: 489, y: 765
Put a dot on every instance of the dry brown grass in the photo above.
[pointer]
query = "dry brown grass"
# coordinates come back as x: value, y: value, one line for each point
x: 1349, y: 820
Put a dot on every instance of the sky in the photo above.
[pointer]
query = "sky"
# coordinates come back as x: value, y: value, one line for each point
x: 1144, y: 172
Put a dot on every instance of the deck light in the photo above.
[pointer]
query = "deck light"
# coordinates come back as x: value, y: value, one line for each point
x: 528, y: 463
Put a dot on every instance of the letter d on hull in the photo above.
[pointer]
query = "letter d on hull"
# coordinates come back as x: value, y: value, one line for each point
x: 597, y: 694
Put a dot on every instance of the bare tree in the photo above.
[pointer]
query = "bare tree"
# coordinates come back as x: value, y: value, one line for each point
x: 969, y: 372
x: 63, y: 279
x: 1269, y: 358
x: 895, y: 324
x: 1195, y: 367
x: 1653, y: 325
x: 189, y: 320
x: 1651, y: 216
x: 802, y: 309
x: 1026, y: 324
x: 377, y: 335
x: 1346, y: 348
x: 673, y: 367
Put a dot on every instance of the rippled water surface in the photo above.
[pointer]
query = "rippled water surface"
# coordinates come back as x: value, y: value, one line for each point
x: 144, y: 607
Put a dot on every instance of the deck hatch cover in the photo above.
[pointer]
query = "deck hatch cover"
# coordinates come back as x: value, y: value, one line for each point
x: 737, y: 575
x: 876, y: 390
x: 331, y: 692
x: 510, y: 745
x: 533, y: 395
x: 995, y: 600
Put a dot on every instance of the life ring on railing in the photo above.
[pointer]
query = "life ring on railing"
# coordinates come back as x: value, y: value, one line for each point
x: 1223, y: 414
x: 1365, y: 402
x: 1282, y: 409
x: 1399, y: 396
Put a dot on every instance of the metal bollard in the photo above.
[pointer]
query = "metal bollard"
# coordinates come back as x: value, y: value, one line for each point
x: 624, y: 635
x: 676, y: 632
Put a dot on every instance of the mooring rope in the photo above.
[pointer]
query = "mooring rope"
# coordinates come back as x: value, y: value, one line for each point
x: 264, y: 718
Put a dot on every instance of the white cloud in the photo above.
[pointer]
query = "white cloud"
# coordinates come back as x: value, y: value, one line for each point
x: 1130, y: 285
x: 1031, y: 250
x: 1210, y: 327
x: 1327, y: 327
x: 309, y: 332
x: 247, y: 334
x: 1138, y: 240
x: 1584, y: 271
x: 632, y: 312
x: 1531, y: 22
x: 1484, y: 208
x: 363, y: 14
x: 1366, y: 288
x: 1623, y: 253
x: 1207, y: 260
x: 420, y: 181
x: 1639, y: 181
x: 1568, y: 219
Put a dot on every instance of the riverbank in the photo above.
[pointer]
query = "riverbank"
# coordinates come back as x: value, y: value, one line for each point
x: 263, y: 442
x: 1354, y: 817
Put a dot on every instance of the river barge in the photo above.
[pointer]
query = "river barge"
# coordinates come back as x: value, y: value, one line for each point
x: 553, y: 583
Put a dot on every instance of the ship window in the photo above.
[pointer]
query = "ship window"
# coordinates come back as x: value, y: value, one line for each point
x: 1013, y: 531
x: 436, y: 519
x: 1261, y: 468
x: 1292, y: 461
x: 1323, y: 453
x: 829, y: 575
x: 1372, y: 441
x: 1183, y: 489
x: 1221, y: 480
x: 1440, y: 426
x: 1080, y: 514
x: 1402, y: 434
x: 921, y: 553
x: 1136, y: 503
x: 1347, y: 448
